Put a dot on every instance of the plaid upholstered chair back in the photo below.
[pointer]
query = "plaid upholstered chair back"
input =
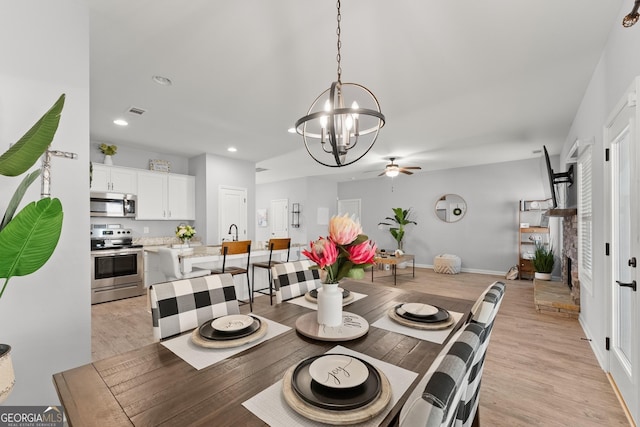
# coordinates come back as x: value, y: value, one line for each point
x: 483, y: 314
x: 183, y: 305
x: 435, y: 400
x: 292, y: 279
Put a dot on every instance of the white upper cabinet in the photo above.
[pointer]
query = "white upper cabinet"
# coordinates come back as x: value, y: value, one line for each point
x: 114, y: 179
x: 165, y: 196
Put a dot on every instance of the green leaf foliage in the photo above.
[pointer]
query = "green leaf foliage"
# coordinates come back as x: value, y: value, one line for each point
x: 17, y: 197
x: 28, y: 241
x: 400, y: 220
x: 543, y: 258
x: 24, y: 153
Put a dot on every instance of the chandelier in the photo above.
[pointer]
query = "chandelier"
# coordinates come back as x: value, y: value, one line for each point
x: 633, y: 16
x: 343, y: 122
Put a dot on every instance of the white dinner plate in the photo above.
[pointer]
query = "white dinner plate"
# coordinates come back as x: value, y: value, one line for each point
x: 232, y: 322
x: 338, y: 371
x: 419, y: 310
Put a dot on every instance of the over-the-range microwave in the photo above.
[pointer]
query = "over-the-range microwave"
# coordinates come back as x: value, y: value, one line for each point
x: 113, y: 205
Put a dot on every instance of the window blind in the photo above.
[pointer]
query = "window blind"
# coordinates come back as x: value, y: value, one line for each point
x: 585, y: 218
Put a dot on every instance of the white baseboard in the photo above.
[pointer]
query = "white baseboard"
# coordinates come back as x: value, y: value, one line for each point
x: 466, y: 270
x: 598, y: 350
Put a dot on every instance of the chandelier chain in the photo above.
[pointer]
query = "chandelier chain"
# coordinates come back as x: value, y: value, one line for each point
x: 339, y: 44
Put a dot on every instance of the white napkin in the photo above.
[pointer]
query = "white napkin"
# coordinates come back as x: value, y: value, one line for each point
x: 269, y: 405
x: 302, y: 301
x: 200, y: 357
x: 437, y: 336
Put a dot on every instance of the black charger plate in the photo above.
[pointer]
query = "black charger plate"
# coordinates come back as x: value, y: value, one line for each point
x: 440, y: 316
x: 313, y: 293
x: 333, y: 398
x: 208, y: 332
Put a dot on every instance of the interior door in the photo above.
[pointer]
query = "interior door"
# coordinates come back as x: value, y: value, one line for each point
x: 232, y: 209
x: 279, y: 212
x: 621, y: 138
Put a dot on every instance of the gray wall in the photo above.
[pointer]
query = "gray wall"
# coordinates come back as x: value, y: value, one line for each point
x: 312, y: 193
x: 212, y: 172
x: 618, y: 66
x: 46, y: 316
x: 486, y: 239
x: 138, y: 158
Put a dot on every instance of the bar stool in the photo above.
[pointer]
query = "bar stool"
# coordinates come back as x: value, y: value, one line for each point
x: 274, y: 245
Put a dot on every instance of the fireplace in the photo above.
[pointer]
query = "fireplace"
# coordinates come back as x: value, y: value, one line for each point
x: 569, y: 254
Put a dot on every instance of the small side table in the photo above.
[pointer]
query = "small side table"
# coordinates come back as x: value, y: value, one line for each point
x: 394, y: 261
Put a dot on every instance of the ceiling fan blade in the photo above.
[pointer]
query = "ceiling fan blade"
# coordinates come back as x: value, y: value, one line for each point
x: 383, y: 173
x: 406, y: 172
x: 412, y: 167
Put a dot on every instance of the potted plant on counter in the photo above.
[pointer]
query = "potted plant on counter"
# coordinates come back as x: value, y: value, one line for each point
x: 29, y: 237
x: 108, y: 151
x: 543, y: 261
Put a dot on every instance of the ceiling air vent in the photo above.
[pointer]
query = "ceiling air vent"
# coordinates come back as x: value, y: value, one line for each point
x: 136, y: 110
x: 261, y: 169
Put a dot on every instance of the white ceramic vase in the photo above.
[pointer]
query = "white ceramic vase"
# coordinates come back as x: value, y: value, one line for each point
x: 543, y: 276
x: 329, y: 305
x: 108, y: 160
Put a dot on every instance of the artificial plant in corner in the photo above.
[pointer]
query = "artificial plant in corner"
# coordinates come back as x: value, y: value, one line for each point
x: 28, y: 238
x: 400, y: 219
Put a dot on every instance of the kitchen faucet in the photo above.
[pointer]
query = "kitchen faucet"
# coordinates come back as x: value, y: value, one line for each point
x: 235, y: 239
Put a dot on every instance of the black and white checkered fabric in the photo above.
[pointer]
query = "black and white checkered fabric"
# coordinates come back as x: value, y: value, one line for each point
x: 483, y: 314
x: 292, y: 279
x: 435, y: 400
x: 183, y: 305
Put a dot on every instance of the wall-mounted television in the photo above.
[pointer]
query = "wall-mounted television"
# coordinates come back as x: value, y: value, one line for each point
x: 556, y: 178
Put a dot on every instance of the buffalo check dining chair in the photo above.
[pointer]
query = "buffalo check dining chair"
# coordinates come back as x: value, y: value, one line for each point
x: 292, y: 279
x: 183, y: 305
x: 483, y: 314
x: 434, y: 402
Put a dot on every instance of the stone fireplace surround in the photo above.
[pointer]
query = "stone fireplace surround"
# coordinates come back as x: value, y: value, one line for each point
x: 569, y: 256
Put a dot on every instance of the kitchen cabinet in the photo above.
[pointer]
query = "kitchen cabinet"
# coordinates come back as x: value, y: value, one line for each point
x: 114, y: 179
x: 165, y: 196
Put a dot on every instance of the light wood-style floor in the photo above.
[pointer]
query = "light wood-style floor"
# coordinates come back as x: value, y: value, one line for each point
x: 540, y: 371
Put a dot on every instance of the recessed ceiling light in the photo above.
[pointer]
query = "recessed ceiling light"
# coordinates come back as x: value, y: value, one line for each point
x: 161, y: 80
x: 232, y: 149
x: 120, y: 122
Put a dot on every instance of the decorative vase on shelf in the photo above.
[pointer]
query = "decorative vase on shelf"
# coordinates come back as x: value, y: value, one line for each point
x: 329, y: 305
x: 7, y: 376
x: 108, y: 160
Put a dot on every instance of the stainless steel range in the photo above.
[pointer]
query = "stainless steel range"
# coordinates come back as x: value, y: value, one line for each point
x: 117, y: 269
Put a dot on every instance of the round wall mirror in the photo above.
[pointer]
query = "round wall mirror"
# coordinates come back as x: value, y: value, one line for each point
x: 451, y: 208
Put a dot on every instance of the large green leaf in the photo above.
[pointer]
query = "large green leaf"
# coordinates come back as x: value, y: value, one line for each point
x: 24, y: 153
x: 17, y: 197
x: 28, y: 241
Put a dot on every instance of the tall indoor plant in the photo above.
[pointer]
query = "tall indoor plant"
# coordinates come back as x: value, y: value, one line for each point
x: 400, y: 220
x: 28, y: 238
x: 543, y: 261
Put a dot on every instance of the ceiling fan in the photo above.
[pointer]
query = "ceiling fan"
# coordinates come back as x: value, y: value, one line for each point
x: 393, y: 169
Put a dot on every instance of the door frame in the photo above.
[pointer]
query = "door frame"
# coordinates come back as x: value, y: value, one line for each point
x: 629, y: 99
x: 221, y: 228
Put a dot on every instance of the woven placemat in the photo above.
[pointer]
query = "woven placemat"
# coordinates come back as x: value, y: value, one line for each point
x: 419, y: 325
x: 203, y: 342
x: 352, y: 416
x: 345, y: 301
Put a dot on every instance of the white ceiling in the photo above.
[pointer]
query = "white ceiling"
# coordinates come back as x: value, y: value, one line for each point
x: 460, y: 82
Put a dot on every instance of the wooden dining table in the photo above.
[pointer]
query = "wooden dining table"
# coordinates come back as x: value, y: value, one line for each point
x: 152, y: 386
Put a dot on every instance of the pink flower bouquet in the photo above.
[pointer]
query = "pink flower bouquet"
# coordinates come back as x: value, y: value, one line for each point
x: 344, y: 253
